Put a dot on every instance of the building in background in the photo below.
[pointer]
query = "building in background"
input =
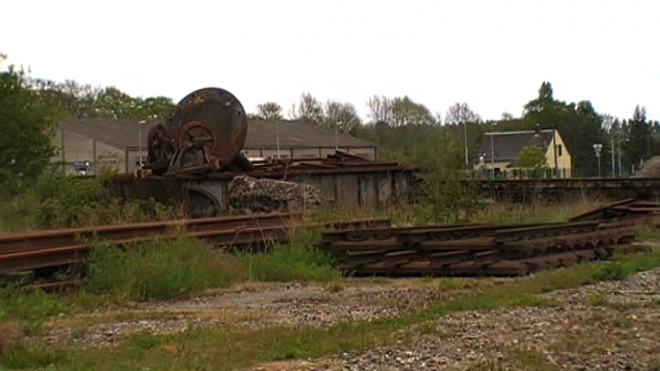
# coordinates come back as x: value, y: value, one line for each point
x: 498, y: 152
x: 119, y: 144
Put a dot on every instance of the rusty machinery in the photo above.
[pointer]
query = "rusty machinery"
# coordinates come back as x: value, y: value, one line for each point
x: 205, y: 133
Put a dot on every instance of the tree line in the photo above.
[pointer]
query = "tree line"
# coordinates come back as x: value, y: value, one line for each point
x: 406, y: 130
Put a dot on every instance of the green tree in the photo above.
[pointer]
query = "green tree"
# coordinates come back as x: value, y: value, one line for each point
x: 461, y: 118
x: 637, y: 147
x: 405, y: 111
x: 114, y: 103
x: 270, y: 111
x: 26, y: 122
x: 380, y: 109
x: 531, y: 157
x: 308, y: 109
x: 342, y: 115
x: 152, y: 107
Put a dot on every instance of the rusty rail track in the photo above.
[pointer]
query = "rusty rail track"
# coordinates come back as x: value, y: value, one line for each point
x: 494, y: 250
x: 29, y: 251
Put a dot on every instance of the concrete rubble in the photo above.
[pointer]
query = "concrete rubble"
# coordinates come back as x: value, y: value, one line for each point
x: 267, y: 195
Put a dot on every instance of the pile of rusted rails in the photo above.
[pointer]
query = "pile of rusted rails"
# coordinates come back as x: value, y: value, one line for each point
x: 63, y: 247
x: 490, y: 250
x: 626, y: 209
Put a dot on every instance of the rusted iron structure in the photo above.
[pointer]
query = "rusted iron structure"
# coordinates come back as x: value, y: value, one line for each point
x: 195, y: 154
x: 205, y: 133
x: 344, y: 180
x: 493, y: 250
x: 64, y: 247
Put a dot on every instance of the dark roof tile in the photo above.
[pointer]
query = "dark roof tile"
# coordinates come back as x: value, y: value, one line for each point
x: 506, y: 145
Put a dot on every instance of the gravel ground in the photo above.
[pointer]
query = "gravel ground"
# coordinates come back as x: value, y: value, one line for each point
x: 273, y: 305
x: 604, y: 326
x: 573, y: 336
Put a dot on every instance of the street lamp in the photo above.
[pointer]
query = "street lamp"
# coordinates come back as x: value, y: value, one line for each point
x: 597, y: 148
x: 140, y: 139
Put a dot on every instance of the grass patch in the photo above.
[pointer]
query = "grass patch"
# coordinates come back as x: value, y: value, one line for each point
x: 218, y: 349
x: 598, y: 299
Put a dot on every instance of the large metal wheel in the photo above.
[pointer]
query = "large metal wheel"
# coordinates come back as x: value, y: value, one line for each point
x: 216, y: 112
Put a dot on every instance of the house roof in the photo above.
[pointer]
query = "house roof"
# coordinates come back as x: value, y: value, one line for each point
x: 506, y: 145
x: 123, y: 133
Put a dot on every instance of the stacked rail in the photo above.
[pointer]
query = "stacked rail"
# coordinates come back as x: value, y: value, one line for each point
x: 492, y: 250
x: 62, y: 247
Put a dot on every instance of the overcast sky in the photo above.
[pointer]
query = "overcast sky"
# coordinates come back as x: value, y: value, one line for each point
x: 492, y: 54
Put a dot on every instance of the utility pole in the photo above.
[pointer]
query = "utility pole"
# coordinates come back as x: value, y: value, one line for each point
x: 465, y: 141
x: 140, y: 139
x: 277, y: 135
x: 619, y: 133
x: 597, y: 148
x: 608, y: 123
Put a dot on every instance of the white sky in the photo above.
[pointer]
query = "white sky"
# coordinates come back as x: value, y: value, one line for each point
x: 492, y: 54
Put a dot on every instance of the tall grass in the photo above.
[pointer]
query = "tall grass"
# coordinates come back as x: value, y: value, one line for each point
x: 165, y: 269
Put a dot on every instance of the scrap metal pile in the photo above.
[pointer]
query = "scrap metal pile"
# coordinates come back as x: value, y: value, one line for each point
x: 493, y: 250
x: 206, y: 133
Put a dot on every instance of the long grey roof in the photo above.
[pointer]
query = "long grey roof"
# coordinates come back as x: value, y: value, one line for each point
x: 123, y: 133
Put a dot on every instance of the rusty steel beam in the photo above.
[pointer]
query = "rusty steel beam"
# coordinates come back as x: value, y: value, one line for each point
x: 21, y: 242
x: 70, y: 251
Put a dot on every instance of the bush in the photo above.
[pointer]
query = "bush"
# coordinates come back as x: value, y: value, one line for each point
x: 56, y: 201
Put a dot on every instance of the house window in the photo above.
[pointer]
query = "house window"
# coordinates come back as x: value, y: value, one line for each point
x: 559, y: 150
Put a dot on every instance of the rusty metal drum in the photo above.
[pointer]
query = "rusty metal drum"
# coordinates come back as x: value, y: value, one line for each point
x: 214, y: 117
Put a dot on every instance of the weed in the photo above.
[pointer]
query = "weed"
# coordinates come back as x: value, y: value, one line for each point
x: 334, y: 286
x: 297, y: 260
x: 456, y: 284
x: 428, y: 328
x: 598, y: 299
x: 611, y: 272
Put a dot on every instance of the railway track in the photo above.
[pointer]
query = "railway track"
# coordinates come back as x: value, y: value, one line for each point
x: 64, y: 247
x: 491, y: 250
